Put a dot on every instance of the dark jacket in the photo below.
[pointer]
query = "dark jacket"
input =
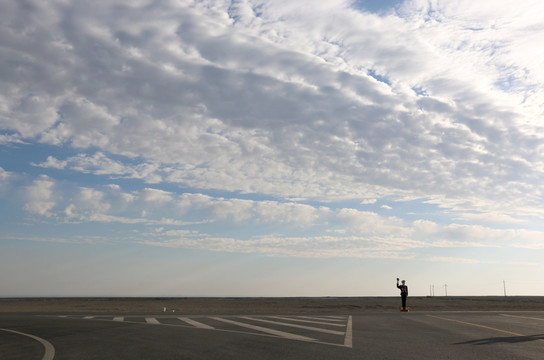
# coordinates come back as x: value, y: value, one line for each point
x: 403, y: 290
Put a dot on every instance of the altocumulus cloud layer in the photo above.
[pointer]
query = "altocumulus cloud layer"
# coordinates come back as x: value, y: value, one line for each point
x: 278, y: 127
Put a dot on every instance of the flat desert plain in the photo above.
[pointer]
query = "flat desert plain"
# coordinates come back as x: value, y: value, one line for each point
x: 269, y: 305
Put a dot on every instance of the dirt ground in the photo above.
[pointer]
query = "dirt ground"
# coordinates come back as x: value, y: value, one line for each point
x: 225, y: 306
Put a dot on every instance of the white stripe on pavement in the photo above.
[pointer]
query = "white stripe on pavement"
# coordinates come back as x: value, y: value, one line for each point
x: 306, y: 321
x: 348, y: 340
x: 195, y: 323
x: 324, y: 318
x: 265, y: 330
x: 326, y: 331
x: 338, y: 317
x: 49, y: 349
x: 151, y: 320
x: 523, y: 317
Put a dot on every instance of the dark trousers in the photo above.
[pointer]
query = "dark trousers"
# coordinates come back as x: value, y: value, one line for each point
x: 404, y: 300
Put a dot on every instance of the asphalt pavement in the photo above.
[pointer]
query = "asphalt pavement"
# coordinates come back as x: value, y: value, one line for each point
x: 432, y: 335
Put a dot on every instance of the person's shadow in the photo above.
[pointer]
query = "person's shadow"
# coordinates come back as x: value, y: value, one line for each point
x: 504, y: 340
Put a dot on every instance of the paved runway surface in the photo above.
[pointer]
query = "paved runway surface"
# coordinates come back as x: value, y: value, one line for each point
x: 432, y: 335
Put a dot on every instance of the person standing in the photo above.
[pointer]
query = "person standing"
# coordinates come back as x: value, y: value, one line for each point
x: 403, y: 292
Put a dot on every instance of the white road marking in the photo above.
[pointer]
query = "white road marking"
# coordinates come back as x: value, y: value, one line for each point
x: 324, y: 318
x: 333, y: 317
x: 195, y: 323
x: 487, y: 327
x: 261, y: 331
x: 522, y: 317
x: 306, y: 321
x: 151, y: 320
x: 348, y: 340
x: 326, y: 331
x: 265, y: 330
x: 49, y: 349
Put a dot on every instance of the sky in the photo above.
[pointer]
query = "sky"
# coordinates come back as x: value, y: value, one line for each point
x: 271, y: 147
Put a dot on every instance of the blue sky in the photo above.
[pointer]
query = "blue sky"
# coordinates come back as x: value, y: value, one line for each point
x: 376, y: 6
x: 271, y: 148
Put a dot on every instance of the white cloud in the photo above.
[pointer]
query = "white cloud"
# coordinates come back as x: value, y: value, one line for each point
x: 293, y: 101
x: 30, y: 114
x: 101, y: 164
x: 82, y: 123
x: 492, y: 218
x: 358, y: 234
x: 52, y: 163
x: 154, y: 195
x: 40, y: 197
x: 104, y: 218
x: 4, y: 175
x: 214, y: 96
x: 10, y: 139
x: 240, y: 210
x: 370, y: 223
x: 274, y: 212
x: 313, y: 247
x: 7, y: 181
x: 377, y: 242
x: 458, y: 260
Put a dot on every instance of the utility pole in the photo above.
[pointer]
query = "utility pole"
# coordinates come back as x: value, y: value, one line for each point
x: 433, y: 290
x: 446, y: 288
x: 504, y: 285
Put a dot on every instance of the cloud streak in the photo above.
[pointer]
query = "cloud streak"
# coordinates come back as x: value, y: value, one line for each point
x: 354, y: 233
